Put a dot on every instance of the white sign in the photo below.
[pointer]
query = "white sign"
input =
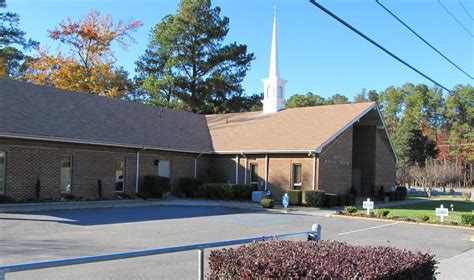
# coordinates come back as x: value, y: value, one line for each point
x: 441, y: 212
x: 369, y: 205
x: 285, y: 200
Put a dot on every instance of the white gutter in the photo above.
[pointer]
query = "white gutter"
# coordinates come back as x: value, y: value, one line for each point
x: 255, y: 152
x: 388, y: 135
x: 98, y: 143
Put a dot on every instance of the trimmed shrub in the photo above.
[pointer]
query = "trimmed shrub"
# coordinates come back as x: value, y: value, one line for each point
x: 314, y: 198
x: 341, y: 199
x: 351, y: 199
x: 281, y: 259
x: 350, y: 209
x: 402, y: 193
x: 423, y: 218
x: 243, y: 192
x: 267, y: 203
x: 156, y: 186
x: 353, y: 191
x: 381, y: 193
x: 393, y: 196
x: 6, y: 199
x: 69, y: 197
x: 467, y: 219
x: 382, y: 212
x: 295, y: 197
x: 330, y: 200
x: 189, y: 186
x: 216, y: 191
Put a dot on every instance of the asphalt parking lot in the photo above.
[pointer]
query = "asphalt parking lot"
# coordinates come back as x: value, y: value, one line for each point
x: 50, y: 235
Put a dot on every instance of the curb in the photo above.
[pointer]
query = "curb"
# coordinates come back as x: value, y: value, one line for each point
x: 401, y: 222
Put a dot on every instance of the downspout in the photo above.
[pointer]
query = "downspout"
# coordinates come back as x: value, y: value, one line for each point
x: 266, y: 172
x: 137, y: 180
x: 245, y: 169
x: 236, y: 169
x: 196, y: 164
x: 313, y: 154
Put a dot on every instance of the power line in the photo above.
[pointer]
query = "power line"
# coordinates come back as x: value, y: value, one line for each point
x: 455, y: 18
x: 422, y: 39
x: 467, y: 12
x: 375, y: 43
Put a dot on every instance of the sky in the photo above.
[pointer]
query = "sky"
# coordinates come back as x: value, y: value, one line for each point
x: 316, y: 53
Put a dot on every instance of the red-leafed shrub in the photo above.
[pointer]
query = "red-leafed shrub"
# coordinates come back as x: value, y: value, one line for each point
x: 319, y: 260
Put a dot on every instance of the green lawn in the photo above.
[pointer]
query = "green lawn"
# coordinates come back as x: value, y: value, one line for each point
x: 414, y: 211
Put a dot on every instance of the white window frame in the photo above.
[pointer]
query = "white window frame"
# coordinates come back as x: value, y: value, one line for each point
x: 123, y: 175
x: 252, y: 175
x: 293, y: 184
x: 158, y: 167
x: 3, y: 172
x: 70, y: 175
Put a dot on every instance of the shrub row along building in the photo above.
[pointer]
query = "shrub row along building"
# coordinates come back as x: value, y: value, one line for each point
x: 70, y: 141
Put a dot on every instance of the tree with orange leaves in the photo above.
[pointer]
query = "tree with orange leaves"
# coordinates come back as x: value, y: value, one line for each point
x: 89, y: 65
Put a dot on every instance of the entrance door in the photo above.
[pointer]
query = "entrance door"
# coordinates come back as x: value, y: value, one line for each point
x: 357, y: 180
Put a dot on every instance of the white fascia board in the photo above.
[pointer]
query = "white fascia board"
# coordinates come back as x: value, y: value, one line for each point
x: 254, y: 152
x: 319, y: 149
x: 98, y: 143
x: 388, y: 135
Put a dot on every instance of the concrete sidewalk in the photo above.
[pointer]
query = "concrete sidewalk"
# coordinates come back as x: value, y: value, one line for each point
x: 457, y: 267
x: 74, y: 205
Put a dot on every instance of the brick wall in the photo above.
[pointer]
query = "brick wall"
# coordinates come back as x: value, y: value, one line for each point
x: 29, y: 160
x: 280, y: 175
x: 385, y: 165
x: 335, y: 165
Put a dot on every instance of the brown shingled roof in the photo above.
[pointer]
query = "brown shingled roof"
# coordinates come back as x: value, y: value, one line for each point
x: 45, y: 113
x: 296, y: 129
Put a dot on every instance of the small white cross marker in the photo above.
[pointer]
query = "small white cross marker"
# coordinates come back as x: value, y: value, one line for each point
x: 441, y: 212
x: 369, y: 205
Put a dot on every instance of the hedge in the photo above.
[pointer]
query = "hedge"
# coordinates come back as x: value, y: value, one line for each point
x: 314, y: 198
x: 216, y: 191
x: 330, y: 200
x: 341, y: 199
x: 351, y: 199
x: 295, y: 197
x: 402, y: 193
x: 189, y: 186
x: 156, y: 186
x: 467, y: 219
x: 267, y: 203
x: 243, y: 192
x: 282, y: 259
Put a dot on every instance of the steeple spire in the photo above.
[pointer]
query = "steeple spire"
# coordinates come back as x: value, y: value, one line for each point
x: 274, y: 71
x: 273, y: 86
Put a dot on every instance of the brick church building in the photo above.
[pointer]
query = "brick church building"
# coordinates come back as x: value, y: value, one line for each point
x: 69, y: 141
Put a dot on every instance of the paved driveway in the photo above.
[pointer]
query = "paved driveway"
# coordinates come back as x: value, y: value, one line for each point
x: 38, y: 236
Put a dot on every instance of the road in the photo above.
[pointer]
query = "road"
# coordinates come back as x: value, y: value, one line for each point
x: 49, y: 235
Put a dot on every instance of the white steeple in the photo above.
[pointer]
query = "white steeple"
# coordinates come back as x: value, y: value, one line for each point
x: 273, y: 86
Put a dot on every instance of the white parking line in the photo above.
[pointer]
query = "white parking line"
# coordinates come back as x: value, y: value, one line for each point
x: 369, y: 228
